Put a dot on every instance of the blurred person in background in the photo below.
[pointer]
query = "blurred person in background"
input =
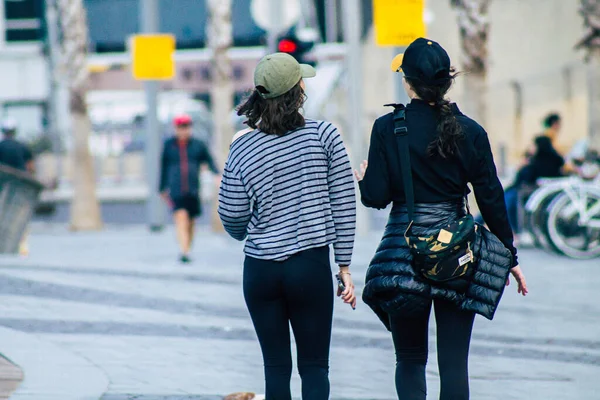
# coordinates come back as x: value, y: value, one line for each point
x: 525, y: 178
x: 182, y: 158
x: 547, y: 162
x: 12, y: 152
x: 18, y: 156
x: 552, y: 126
x: 542, y: 160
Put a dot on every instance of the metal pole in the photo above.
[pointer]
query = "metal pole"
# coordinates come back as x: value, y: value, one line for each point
x: 276, y: 18
x: 331, y: 21
x: 60, y: 115
x: 150, y: 24
x: 593, y: 77
x: 52, y: 45
x: 358, y: 151
x: 401, y: 96
x: 2, y: 25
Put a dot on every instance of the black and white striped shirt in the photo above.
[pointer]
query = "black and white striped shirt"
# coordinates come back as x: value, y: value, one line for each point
x: 289, y: 193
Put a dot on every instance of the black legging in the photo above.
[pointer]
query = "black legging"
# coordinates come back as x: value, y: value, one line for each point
x: 297, y: 291
x: 410, y: 336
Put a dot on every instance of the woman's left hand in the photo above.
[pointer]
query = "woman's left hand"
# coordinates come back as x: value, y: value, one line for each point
x: 520, y: 278
x: 348, y: 294
x: 363, y: 170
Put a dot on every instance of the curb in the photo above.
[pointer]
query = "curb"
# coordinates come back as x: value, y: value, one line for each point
x: 51, y: 373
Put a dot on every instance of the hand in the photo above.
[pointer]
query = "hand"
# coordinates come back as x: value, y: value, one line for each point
x: 347, y: 295
x: 217, y: 180
x: 165, y: 196
x: 363, y: 170
x: 520, y: 278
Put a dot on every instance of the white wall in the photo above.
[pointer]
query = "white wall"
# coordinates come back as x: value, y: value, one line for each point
x: 530, y: 42
x: 23, y: 74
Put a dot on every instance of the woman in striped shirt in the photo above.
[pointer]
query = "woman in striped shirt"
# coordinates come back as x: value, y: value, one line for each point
x: 287, y: 189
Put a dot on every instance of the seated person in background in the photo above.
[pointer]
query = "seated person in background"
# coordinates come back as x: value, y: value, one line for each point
x: 551, y: 163
x: 546, y: 162
x: 525, y: 178
x: 552, y: 126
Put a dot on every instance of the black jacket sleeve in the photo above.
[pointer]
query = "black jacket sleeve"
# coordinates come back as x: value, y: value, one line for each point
x: 375, y: 188
x: 208, y: 159
x: 490, y: 194
x: 163, y: 170
x: 27, y: 154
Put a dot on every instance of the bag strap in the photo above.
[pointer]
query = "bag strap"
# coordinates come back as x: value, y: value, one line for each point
x: 401, y: 133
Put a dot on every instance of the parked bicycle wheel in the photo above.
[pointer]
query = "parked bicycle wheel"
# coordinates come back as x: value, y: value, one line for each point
x: 536, y: 209
x: 537, y: 221
x: 573, y: 225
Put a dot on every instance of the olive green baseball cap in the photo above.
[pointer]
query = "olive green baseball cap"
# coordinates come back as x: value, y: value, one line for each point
x: 277, y: 73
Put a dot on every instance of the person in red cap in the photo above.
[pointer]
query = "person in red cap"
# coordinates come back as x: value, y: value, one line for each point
x: 182, y: 158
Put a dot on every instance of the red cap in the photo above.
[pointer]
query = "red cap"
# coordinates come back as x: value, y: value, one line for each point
x: 182, y: 119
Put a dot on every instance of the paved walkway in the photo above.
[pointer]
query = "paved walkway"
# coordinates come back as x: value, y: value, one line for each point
x: 112, y: 315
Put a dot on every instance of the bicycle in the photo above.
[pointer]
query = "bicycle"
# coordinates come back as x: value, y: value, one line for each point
x: 573, y: 219
x: 537, y: 208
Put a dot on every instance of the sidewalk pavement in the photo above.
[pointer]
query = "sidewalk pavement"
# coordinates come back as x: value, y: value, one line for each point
x: 50, y: 372
x: 112, y: 314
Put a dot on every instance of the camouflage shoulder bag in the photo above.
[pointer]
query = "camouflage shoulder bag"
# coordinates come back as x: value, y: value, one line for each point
x: 445, y: 258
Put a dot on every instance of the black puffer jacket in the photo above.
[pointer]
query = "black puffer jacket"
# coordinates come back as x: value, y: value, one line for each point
x: 392, y: 286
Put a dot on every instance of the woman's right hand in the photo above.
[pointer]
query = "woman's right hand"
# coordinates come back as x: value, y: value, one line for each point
x: 165, y: 196
x: 520, y: 278
x: 363, y: 170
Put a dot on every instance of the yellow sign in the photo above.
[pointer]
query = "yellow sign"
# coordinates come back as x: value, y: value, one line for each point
x: 152, y: 56
x: 398, y: 22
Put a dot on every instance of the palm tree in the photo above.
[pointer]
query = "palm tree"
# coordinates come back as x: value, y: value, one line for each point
x: 473, y: 23
x: 85, y: 209
x: 590, y: 11
x: 220, y: 39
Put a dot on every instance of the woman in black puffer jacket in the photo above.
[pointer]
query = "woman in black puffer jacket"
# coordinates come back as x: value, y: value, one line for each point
x: 447, y: 151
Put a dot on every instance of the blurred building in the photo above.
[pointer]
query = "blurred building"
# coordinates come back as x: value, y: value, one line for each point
x: 534, y: 68
x: 24, y: 88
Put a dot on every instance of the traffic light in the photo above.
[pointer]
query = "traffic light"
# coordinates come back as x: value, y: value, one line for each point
x: 297, y: 48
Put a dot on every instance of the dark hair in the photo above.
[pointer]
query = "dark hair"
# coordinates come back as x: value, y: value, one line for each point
x: 551, y: 119
x: 276, y: 116
x: 449, y: 130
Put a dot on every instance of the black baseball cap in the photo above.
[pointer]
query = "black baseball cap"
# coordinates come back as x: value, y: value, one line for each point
x: 424, y: 60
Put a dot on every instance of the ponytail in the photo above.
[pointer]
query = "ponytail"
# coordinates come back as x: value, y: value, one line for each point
x: 450, y: 132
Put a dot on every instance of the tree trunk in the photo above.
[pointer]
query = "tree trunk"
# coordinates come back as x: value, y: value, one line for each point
x: 590, y: 42
x: 594, y: 99
x: 474, y: 26
x: 220, y: 40
x: 85, y: 208
x: 474, y: 101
